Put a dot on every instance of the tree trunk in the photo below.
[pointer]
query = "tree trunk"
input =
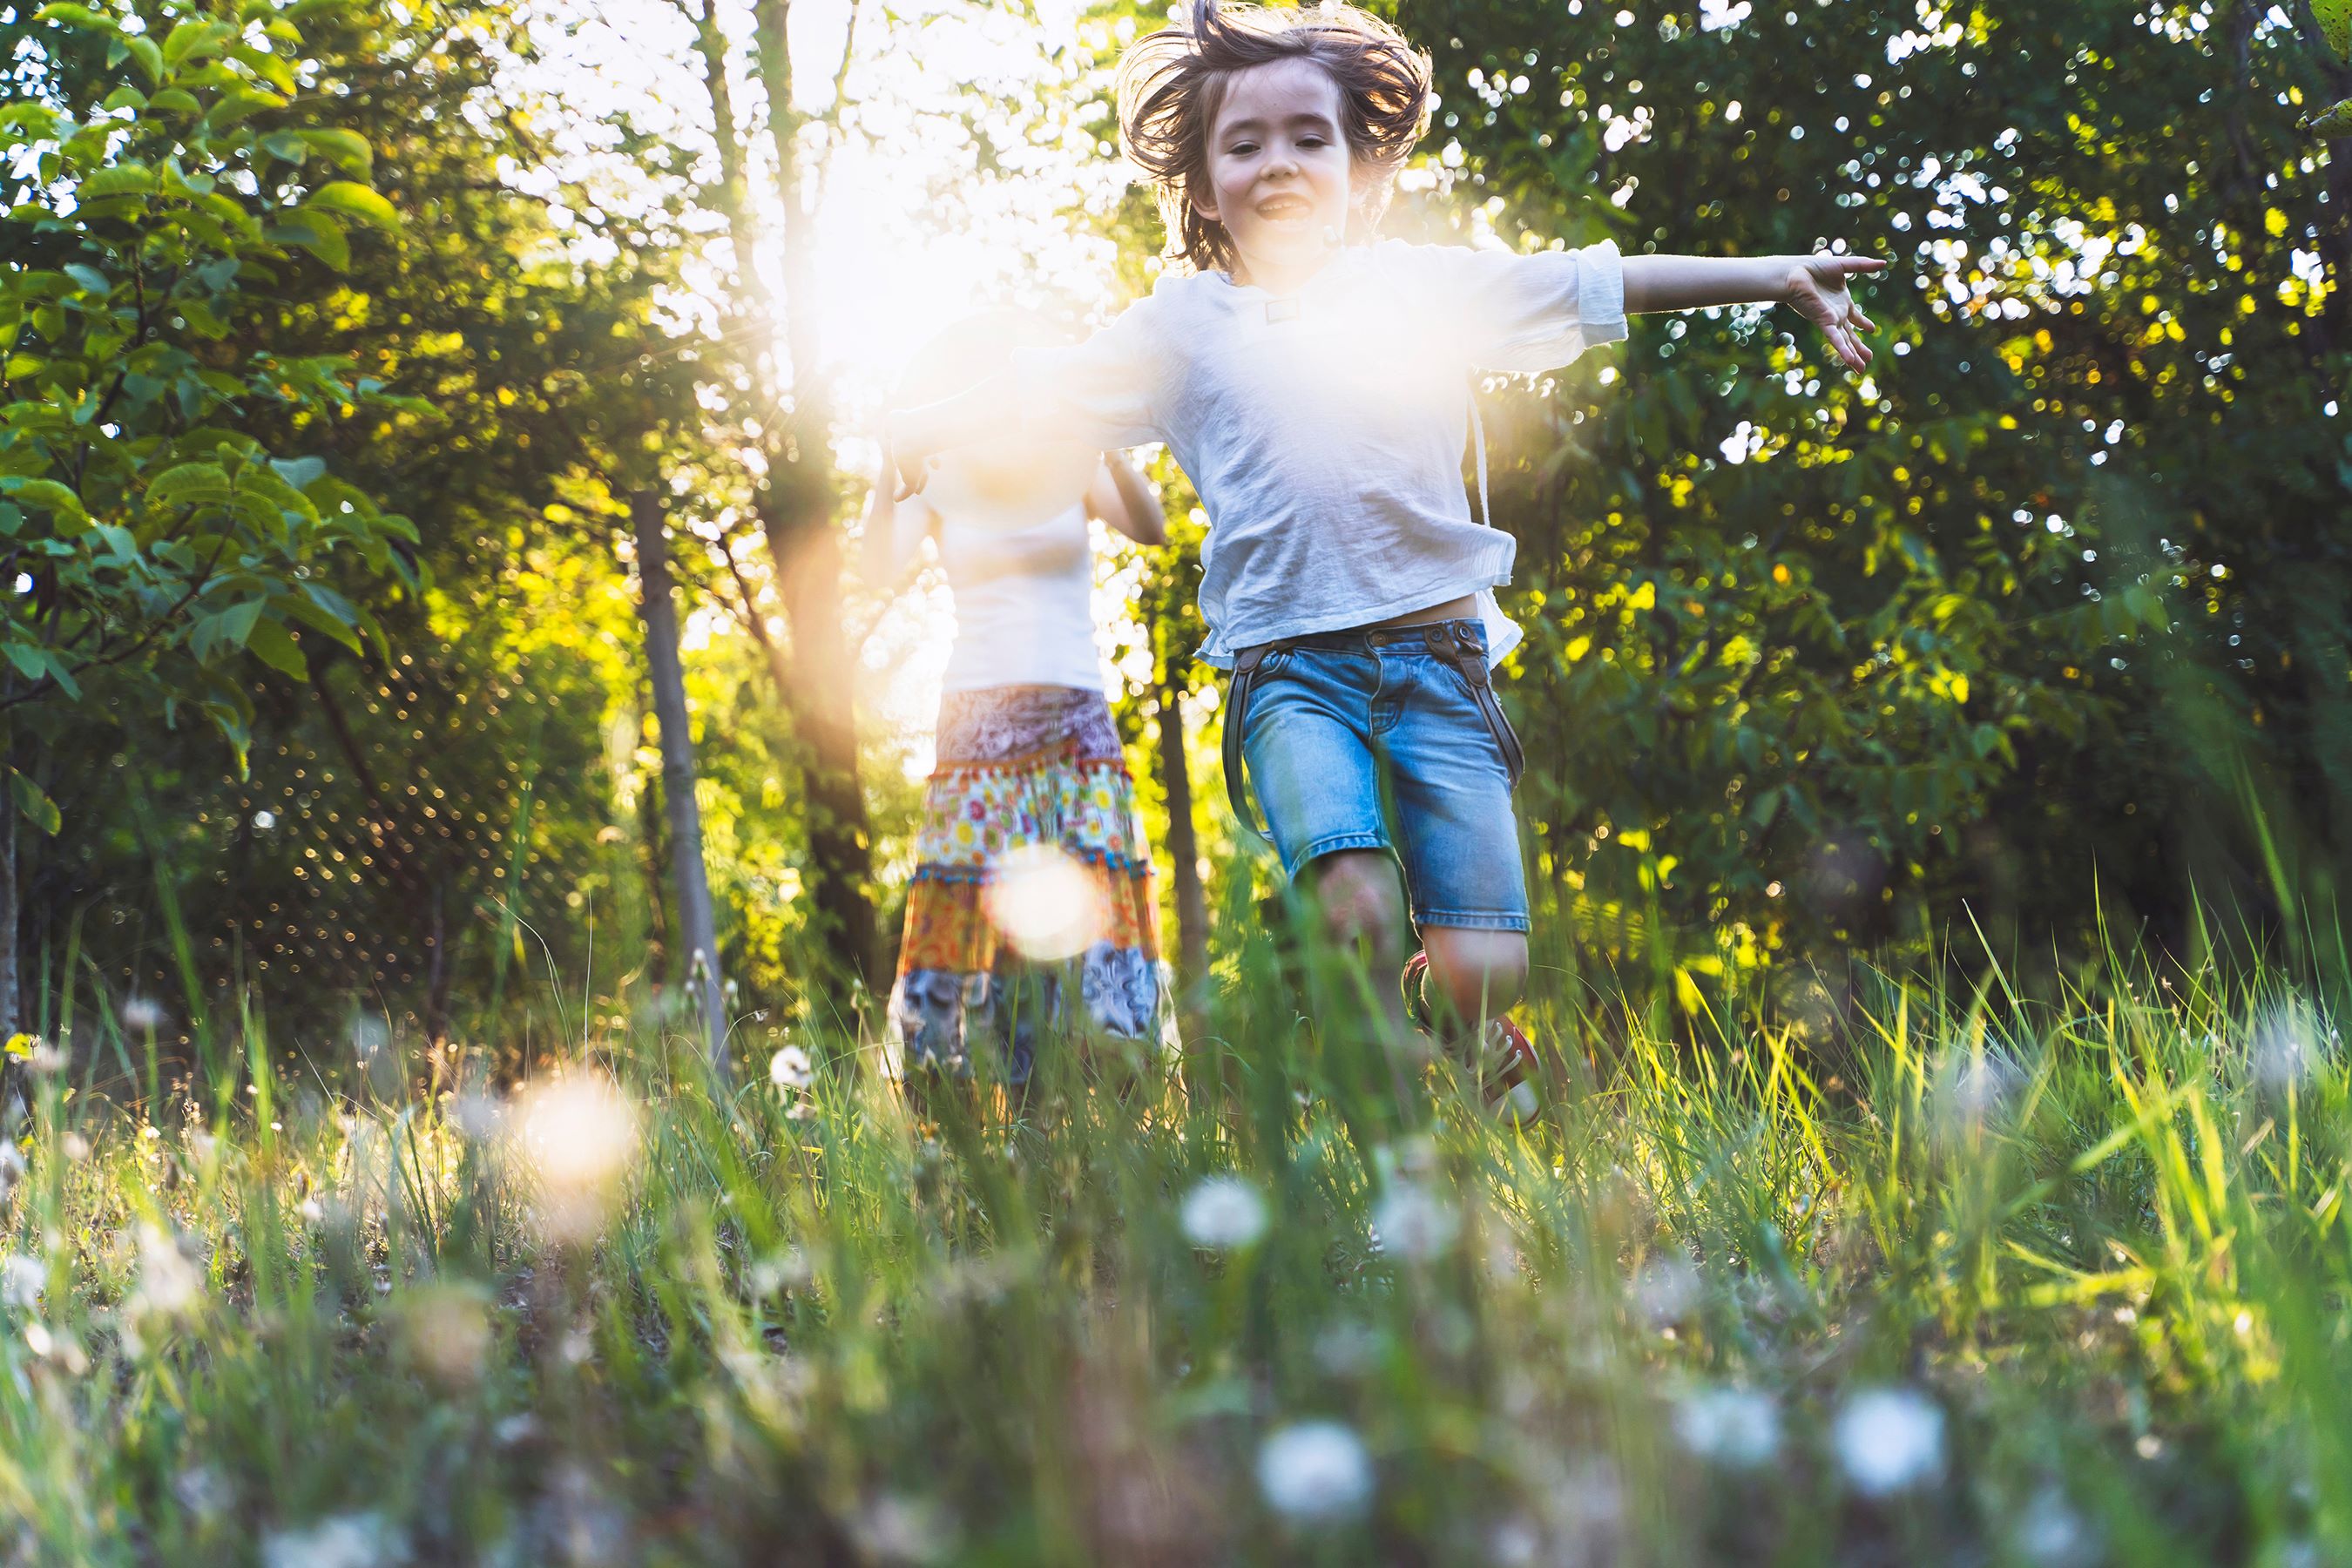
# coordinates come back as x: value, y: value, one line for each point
x: 697, y: 930
x: 796, y: 506
x: 11, y: 989
x: 1183, y: 844
x: 819, y: 697
x: 654, y: 863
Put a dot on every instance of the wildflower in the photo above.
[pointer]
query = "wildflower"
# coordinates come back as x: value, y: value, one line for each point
x: 2288, y: 1046
x: 1737, y: 1428
x: 203, y: 1491
x: 1414, y: 1223
x: 22, y: 1281
x: 893, y: 1528
x: 1314, y: 1472
x: 1889, y: 1439
x: 169, y: 1284
x: 76, y: 1147
x: 142, y: 1015
x: 37, y: 1054
x: 791, y: 1070
x: 347, y: 1540
x: 577, y: 1135
x: 788, y: 1270
x: 1224, y: 1213
x: 2050, y: 1533
x: 1665, y: 1290
x: 12, y: 1166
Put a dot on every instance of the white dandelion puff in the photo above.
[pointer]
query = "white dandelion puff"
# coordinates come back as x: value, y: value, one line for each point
x: 142, y: 1014
x: 347, y: 1540
x: 1414, y: 1223
x: 1224, y: 1213
x: 2288, y: 1046
x: 1889, y: 1440
x: 791, y: 1070
x: 1314, y: 1472
x: 1665, y: 1290
x: 22, y: 1281
x: 1737, y: 1428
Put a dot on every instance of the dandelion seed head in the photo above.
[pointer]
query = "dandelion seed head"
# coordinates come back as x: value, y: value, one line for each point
x: 1314, y: 1472
x: 1889, y: 1440
x: 22, y: 1281
x: 142, y: 1014
x: 203, y: 1491
x: 1414, y: 1223
x: 347, y: 1540
x: 1044, y: 903
x: 1224, y: 1213
x: 895, y: 1529
x: 2288, y: 1045
x: 1737, y: 1428
x: 2050, y: 1535
x: 1665, y: 1290
x: 791, y: 1070
x: 170, y: 1283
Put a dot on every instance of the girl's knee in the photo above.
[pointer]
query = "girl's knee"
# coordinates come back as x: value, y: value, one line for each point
x: 1355, y: 893
x: 1480, y: 974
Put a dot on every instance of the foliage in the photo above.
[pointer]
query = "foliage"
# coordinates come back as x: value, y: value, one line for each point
x: 154, y: 537
x: 2052, y: 600
x: 2078, y: 1255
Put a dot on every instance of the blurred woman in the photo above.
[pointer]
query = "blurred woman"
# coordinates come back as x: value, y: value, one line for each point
x: 1033, y: 912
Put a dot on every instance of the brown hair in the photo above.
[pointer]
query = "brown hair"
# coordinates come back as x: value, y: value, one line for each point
x: 1171, y: 83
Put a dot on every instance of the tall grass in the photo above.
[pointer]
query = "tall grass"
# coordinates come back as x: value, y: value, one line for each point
x: 1966, y: 1277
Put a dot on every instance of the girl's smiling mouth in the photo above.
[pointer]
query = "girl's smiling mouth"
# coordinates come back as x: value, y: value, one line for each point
x: 1286, y: 204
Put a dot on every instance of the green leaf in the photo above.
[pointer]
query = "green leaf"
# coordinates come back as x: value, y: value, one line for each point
x: 59, y: 501
x: 149, y: 56
x: 347, y: 150
x: 80, y: 16
x: 192, y: 38
x: 300, y: 472
x: 353, y: 200
x: 35, y: 803
x: 121, y: 180
x: 190, y: 484
x: 223, y: 629
x: 319, y: 235
x: 317, y: 619
x: 2335, y: 24
x: 91, y: 279
x: 28, y: 659
x: 275, y: 647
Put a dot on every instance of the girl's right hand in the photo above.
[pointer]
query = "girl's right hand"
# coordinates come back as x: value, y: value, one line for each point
x: 1818, y: 286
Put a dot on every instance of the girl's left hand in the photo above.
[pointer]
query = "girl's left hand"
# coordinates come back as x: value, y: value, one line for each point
x: 1816, y: 286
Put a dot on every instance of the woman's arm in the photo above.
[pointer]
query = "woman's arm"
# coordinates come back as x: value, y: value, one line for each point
x: 1816, y: 285
x: 987, y: 409
x: 1124, y: 500
x: 893, y: 533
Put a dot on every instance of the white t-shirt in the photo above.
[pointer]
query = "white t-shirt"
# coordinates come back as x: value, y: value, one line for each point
x: 1023, y: 600
x: 1324, y: 431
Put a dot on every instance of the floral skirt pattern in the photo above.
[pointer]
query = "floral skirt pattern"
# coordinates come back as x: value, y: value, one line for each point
x: 1033, y: 911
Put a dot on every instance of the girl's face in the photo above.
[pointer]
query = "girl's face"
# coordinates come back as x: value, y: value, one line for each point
x: 1279, y: 170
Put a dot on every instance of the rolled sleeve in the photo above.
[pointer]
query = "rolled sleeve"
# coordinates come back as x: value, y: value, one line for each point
x: 1536, y: 311
x: 1100, y: 393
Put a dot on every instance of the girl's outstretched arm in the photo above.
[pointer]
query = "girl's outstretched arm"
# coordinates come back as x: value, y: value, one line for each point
x: 1816, y: 285
x: 1124, y: 500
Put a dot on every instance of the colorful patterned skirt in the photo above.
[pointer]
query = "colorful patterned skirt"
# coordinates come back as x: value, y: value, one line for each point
x: 1033, y: 911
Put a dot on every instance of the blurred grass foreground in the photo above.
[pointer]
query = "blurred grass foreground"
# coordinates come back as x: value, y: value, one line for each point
x: 1979, y: 1278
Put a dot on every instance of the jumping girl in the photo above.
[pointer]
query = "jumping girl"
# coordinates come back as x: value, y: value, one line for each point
x: 1314, y: 382
x: 1030, y: 780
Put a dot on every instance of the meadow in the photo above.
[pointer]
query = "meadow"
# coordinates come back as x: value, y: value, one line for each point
x: 1963, y: 1277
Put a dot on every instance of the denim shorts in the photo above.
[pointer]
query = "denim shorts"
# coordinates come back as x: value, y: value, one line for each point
x: 1384, y: 746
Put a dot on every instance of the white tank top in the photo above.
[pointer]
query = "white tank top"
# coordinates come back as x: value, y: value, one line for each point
x: 1024, y: 604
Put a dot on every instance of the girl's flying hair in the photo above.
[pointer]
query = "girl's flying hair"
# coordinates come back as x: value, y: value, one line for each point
x: 1172, y: 83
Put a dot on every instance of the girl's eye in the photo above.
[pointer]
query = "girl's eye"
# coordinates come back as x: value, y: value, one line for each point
x: 1312, y: 141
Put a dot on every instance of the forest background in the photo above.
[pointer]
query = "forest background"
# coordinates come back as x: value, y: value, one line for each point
x: 2037, y: 632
